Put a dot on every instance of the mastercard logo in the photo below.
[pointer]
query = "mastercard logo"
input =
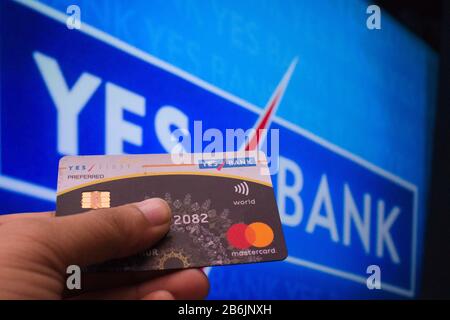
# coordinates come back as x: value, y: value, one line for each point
x: 243, y: 236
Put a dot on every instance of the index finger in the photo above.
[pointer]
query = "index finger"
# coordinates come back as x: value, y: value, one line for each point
x: 14, y: 216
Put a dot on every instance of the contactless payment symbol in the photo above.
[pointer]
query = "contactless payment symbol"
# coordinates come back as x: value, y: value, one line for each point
x: 243, y: 236
x: 242, y: 188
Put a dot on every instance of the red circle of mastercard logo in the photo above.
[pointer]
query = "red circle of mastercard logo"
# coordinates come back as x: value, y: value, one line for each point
x: 243, y: 236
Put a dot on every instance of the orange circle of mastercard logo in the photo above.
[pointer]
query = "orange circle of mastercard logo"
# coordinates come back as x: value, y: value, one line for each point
x: 257, y: 234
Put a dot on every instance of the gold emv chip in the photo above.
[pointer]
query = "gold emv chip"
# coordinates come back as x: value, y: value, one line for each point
x: 95, y: 200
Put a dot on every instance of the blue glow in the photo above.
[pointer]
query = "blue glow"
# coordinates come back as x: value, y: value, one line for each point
x: 371, y: 93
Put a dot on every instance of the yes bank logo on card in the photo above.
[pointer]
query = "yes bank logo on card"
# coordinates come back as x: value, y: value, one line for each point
x: 89, y: 93
x: 227, y: 163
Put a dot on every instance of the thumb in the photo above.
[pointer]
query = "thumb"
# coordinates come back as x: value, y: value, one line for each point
x: 112, y: 233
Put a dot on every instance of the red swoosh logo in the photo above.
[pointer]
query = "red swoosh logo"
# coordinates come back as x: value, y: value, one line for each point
x: 267, y: 115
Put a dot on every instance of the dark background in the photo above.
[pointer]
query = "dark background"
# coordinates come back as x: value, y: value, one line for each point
x: 430, y: 20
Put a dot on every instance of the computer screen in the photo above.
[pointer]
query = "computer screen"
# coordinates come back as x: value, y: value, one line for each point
x: 355, y: 120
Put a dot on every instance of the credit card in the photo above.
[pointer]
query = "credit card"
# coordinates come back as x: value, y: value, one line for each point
x: 223, y: 205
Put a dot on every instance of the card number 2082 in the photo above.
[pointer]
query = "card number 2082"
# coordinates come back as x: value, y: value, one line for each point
x: 188, y: 219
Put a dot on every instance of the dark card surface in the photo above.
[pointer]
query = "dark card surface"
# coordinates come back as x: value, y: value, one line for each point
x: 223, y: 206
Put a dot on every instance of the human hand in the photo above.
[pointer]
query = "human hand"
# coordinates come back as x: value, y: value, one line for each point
x: 37, y: 248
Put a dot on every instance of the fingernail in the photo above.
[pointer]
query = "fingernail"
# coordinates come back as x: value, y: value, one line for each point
x: 156, y: 211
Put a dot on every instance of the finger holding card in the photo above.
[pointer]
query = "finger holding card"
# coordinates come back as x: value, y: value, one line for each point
x: 223, y: 205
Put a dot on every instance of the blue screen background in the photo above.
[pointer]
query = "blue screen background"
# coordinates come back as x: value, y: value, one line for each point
x: 371, y: 92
